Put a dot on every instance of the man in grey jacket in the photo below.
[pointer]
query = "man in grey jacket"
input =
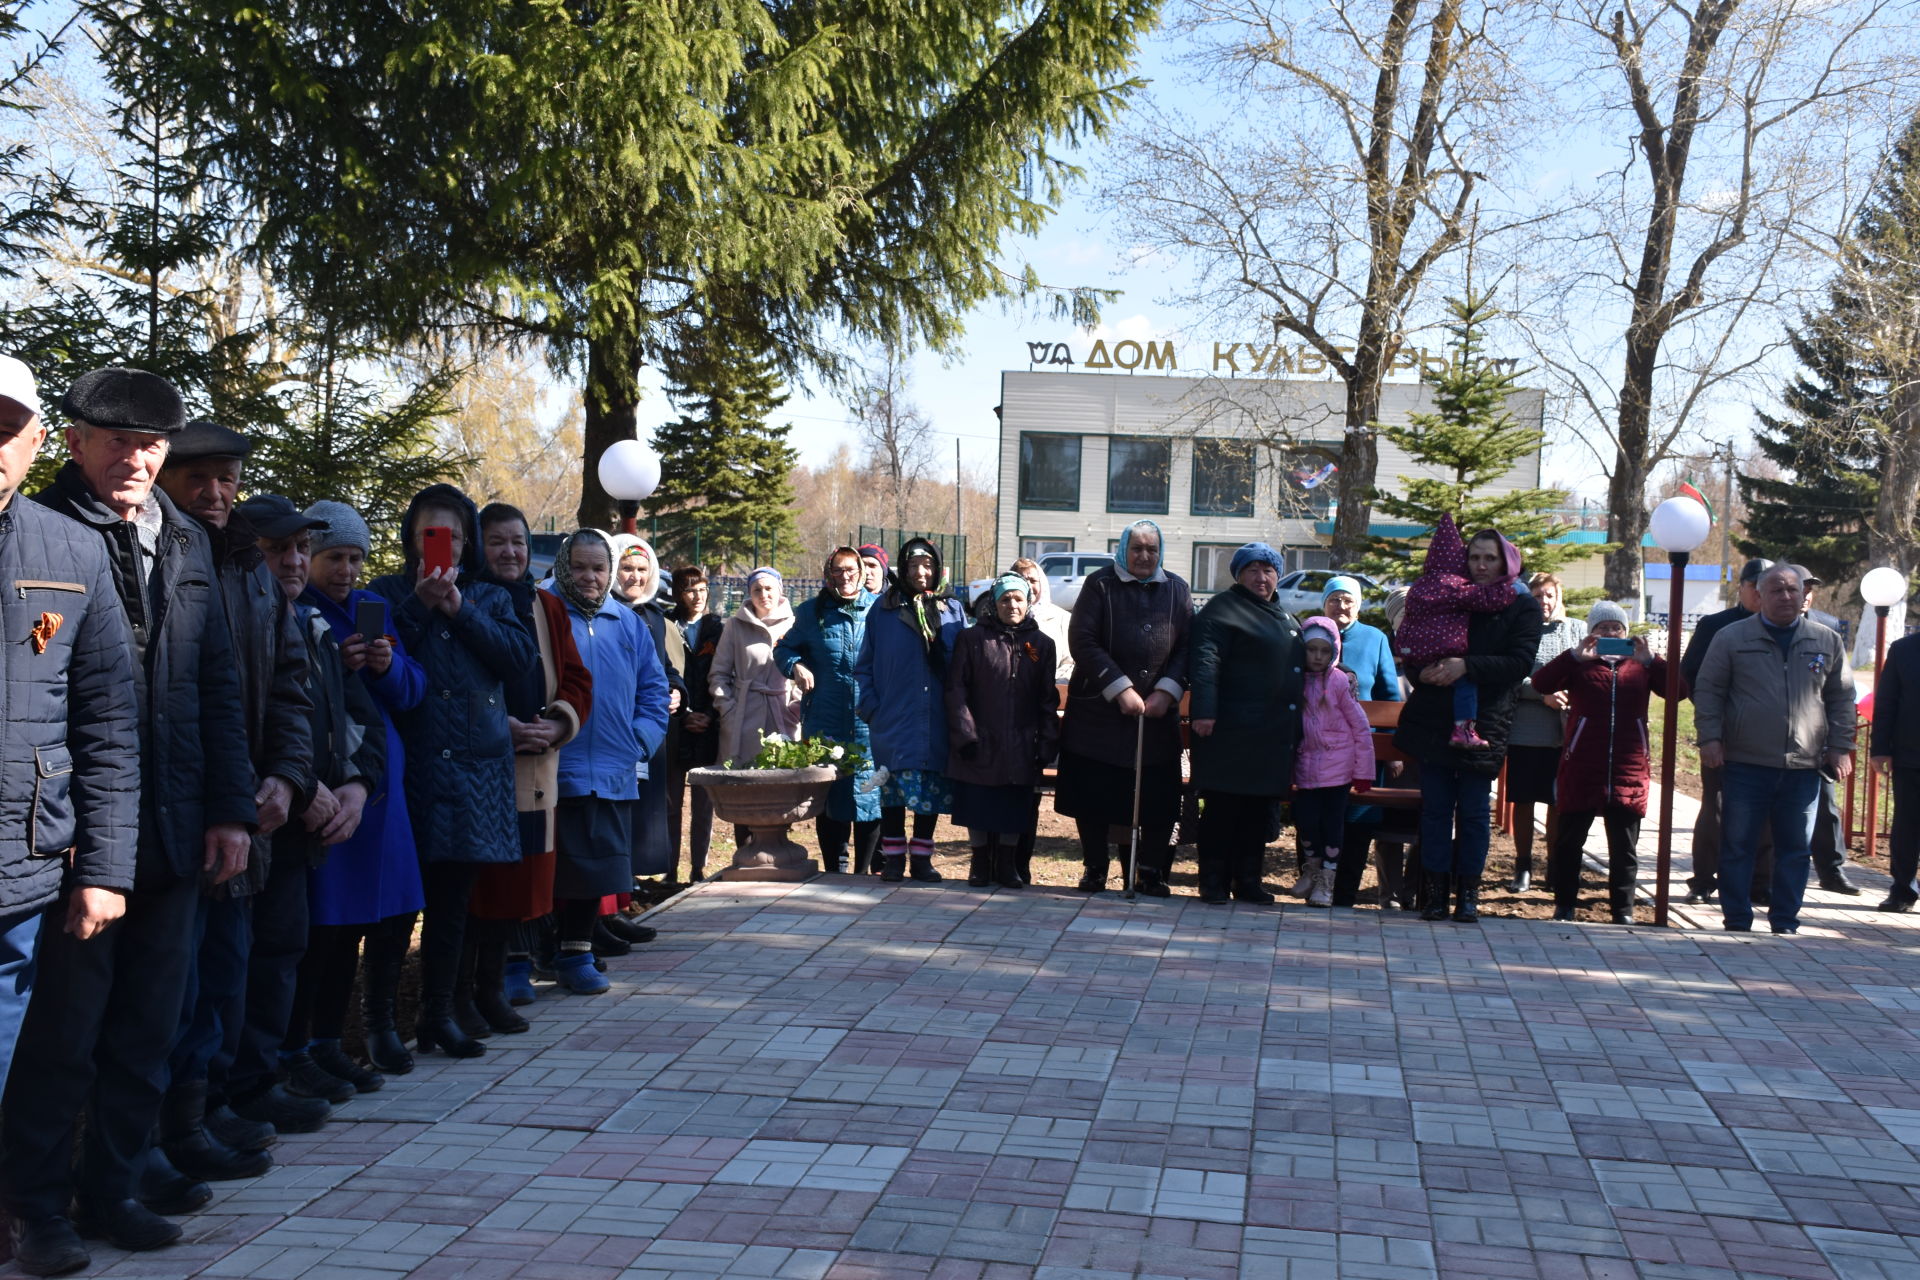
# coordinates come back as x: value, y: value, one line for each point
x: 1774, y: 702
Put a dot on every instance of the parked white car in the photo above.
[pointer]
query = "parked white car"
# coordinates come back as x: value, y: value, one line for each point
x: 1301, y: 591
x: 1066, y: 570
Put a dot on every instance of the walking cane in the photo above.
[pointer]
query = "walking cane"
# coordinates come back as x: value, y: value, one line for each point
x: 1133, y: 846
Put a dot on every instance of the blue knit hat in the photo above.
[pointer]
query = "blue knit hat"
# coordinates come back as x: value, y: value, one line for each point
x: 1341, y: 582
x: 765, y: 571
x: 1010, y: 582
x: 1255, y: 553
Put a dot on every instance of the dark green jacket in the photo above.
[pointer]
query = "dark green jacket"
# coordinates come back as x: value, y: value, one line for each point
x: 1246, y: 670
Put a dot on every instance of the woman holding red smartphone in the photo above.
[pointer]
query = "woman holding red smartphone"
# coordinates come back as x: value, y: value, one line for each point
x: 466, y: 636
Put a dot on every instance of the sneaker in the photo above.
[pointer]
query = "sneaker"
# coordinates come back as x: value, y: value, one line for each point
x: 1321, y: 892
x: 578, y: 975
x: 47, y: 1246
x: 306, y: 1078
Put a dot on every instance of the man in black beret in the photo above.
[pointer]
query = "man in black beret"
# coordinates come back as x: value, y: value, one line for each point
x: 97, y: 1037
x: 200, y: 1137
x: 70, y: 741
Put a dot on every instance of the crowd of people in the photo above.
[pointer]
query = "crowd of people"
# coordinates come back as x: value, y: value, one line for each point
x: 239, y: 778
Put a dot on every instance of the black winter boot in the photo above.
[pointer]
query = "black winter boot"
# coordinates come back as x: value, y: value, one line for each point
x: 1006, y: 873
x: 164, y: 1189
x: 464, y: 1013
x: 1246, y: 879
x: 489, y: 988
x: 386, y: 951
x: 1436, y: 888
x: 191, y: 1149
x: 979, y: 868
x: 1467, y: 904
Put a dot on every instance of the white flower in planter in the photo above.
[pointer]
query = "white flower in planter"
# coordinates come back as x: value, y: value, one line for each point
x: 838, y: 753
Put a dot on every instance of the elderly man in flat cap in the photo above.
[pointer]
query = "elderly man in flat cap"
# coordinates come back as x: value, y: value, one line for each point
x: 199, y: 1136
x: 97, y: 1037
x: 70, y: 738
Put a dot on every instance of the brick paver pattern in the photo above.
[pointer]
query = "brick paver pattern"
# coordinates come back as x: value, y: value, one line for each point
x: 844, y: 1080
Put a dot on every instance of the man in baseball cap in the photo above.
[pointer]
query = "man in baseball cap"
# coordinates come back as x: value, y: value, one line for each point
x: 98, y: 1038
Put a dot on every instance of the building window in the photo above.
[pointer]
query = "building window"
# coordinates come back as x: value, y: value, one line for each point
x: 1139, y: 470
x: 1034, y: 548
x: 1210, y: 565
x: 1308, y: 558
x: 1050, y: 472
x: 1309, y: 483
x: 1223, y: 477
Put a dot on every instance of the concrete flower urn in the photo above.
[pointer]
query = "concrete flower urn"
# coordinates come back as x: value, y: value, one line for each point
x: 767, y: 802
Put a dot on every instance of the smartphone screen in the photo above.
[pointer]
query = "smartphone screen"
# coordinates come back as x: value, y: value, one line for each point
x: 436, y: 548
x: 370, y: 619
x: 1613, y: 648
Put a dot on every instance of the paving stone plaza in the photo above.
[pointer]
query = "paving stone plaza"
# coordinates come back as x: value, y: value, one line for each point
x: 857, y: 1081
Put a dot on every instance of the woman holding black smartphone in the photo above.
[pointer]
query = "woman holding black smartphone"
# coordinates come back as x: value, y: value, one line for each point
x: 459, y: 774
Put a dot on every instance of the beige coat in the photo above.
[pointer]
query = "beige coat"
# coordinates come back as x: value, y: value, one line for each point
x: 748, y: 690
x: 537, y: 777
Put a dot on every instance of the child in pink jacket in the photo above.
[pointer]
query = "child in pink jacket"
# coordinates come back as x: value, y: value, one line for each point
x: 1336, y: 753
x: 1435, y: 623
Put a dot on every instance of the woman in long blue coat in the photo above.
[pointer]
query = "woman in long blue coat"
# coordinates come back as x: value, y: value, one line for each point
x: 818, y: 654
x: 370, y: 883
x: 901, y: 674
x: 459, y: 774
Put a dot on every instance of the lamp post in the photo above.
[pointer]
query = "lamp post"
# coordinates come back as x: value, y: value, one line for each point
x: 1882, y: 588
x: 1678, y: 526
x: 629, y: 471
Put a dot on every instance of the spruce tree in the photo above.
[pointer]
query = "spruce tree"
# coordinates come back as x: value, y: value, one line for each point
x: 1472, y: 439
x: 1849, y: 440
x: 1817, y: 512
x: 725, y: 470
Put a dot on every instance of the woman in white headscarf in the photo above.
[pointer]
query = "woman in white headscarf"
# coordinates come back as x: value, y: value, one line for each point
x: 636, y: 583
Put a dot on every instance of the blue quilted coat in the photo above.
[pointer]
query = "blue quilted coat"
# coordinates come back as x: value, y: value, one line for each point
x: 459, y: 775
x: 903, y: 697
x: 825, y: 638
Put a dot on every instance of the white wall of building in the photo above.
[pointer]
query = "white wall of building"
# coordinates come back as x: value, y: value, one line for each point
x: 1097, y: 406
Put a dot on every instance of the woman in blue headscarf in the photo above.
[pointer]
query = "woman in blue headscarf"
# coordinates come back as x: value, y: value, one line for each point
x: 1128, y: 639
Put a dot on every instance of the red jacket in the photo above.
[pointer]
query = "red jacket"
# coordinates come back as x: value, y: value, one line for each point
x: 1606, y: 759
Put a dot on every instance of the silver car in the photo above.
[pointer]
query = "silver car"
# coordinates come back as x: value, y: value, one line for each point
x: 1301, y: 591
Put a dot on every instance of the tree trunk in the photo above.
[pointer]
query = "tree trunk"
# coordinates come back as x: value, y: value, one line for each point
x: 1359, y: 463
x: 613, y: 391
x: 1632, y: 459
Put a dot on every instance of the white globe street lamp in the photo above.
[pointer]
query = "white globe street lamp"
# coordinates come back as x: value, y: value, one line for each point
x: 629, y: 471
x: 1882, y: 588
x: 1678, y: 525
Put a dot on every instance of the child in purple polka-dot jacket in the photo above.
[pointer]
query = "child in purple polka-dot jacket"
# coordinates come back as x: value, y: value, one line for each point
x: 1435, y: 624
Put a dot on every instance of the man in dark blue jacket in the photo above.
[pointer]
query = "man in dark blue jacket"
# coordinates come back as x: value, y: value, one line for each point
x: 70, y: 733
x: 98, y: 1035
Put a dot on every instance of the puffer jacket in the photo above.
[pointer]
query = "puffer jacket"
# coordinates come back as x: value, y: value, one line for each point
x: 902, y: 696
x: 270, y: 661
x: 750, y: 696
x: 629, y: 698
x: 460, y: 771
x: 825, y: 638
x: 195, y: 770
x: 1336, y: 743
x: 1606, y: 760
x: 69, y: 722
x: 1126, y: 634
x: 1500, y: 649
x: 1003, y: 722
x: 1248, y: 665
x: 1779, y: 711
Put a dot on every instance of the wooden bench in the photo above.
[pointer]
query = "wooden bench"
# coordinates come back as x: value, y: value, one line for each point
x: 1384, y: 718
